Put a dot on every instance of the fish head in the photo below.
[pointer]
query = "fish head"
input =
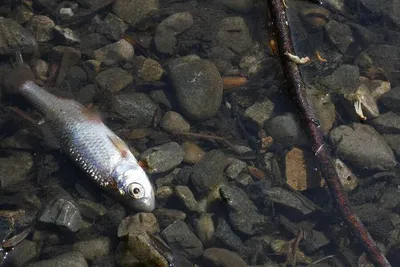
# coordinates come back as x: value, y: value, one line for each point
x: 136, y: 189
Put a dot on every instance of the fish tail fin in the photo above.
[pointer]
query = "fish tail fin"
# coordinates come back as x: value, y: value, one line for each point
x: 14, y: 80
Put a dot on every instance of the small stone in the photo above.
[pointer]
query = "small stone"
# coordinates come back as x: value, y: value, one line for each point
x: 234, y: 34
x: 163, y: 158
x: 224, y: 235
x: 66, y: 12
x: 24, y: 252
x: 113, y: 79
x: 351, y: 142
x: 192, y: 152
x: 346, y: 176
x: 366, y: 101
x: 40, y: 68
x: 164, y: 193
x: 163, y: 97
x: 74, y: 259
x: 204, y: 226
x: 75, y: 78
x: 150, y: 71
x: 340, y: 35
x: 235, y: 167
x: 324, y: 108
x: 260, y: 112
x: 41, y: 27
x: 377, y: 87
x: 93, y: 249
x: 23, y: 14
x: 86, y: 94
x: 180, y: 237
x: 166, y: 217
x: 134, y: 11
x: 92, y: 42
x: 137, y: 107
x: 142, y: 248
x: 16, y: 37
x: 15, y: 168
x: 174, y: 122
x: 67, y: 35
x: 63, y: 213
x: 90, y: 210
x: 219, y: 257
x: 388, y: 123
x: 112, y: 27
x: 239, y: 5
x: 74, y: 55
x: 121, y: 51
x: 138, y: 223
x: 258, y: 190
x: 391, y: 99
x: 198, y: 87
x: 187, y: 198
x: 393, y: 140
x: 345, y: 79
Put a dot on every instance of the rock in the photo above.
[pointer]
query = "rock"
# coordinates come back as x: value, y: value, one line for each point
x: 388, y: 123
x: 238, y: 5
x: 14, y: 37
x: 75, y: 78
x: 340, y: 35
x: 192, y: 152
x: 112, y: 27
x: 94, y: 248
x: 259, y: 112
x: 113, y: 79
x: 41, y: 27
x: 67, y: 36
x: 361, y: 104
x: 234, y: 34
x: 24, y: 252
x: 165, y: 37
x: 393, y: 140
x: 225, y: 236
x: 324, y: 109
x: 15, y: 168
x: 162, y: 158
x: 121, y: 51
x: 142, y: 247
x: 124, y: 256
x: 346, y: 176
x: 391, y: 99
x: 351, y: 142
x: 207, y: 174
x: 90, y: 210
x: 314, y: 17
x: 92, y: 42
x: 23, y: 14
x: 150, y: 71
x: 219, y: 257
x: 243, y: 214
x: 174, y: 122
x: 204, y: 226
x: 198, y: 87
x: 137, y: 107
x: 138, y: 223
x: 286, y: 129
x: 66, y: 12
x: 345, y: 79
x: 40, y: 68
x: 86, y: 94
x: 166, y: 217
x: 187, y: 198
x: 163, y: 194
x: 63, y: 213
x: 74, y: 259
x: 74, y: 55
x: 235, y: 167
x: 134, y: 11
x: 163, y: 97
x: 180, y: 237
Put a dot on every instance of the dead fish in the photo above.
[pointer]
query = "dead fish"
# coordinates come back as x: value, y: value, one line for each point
x: 81, y: 135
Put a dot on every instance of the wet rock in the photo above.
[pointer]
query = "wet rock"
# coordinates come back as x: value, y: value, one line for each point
x: 291, y: 199
x: 90, y: 210
x: 163, y: 97
x: 225, y: 236
x: 86, y: 94
x: 377, y: 87
x: 112, y: 27
x: 166, y: 32
x: 74, y: 259
x: 121, y: 51
x: 75, y: 78
x: 388, y: 123
x: 23, y: 14
x: 208, y: 172
x: 259, y: 112
x: 219, y: 257
x: 16, y: 37
x: 340, y: 35
x: 324, y: 109
x: 192, y: 152
x: 286, y: 129
x: 113, y: 79
x: 391, y: 99
x: 180, y: 237
x: 344, y: 79
x: 234, y: 34
x: 150, y: 70
x: 204, y: 226
x: 141, y: 246
x: 244, y: 179
x: 163, y: 158
x: 174, y: 122
x: 351, y: 142
x: 346, y: 176
x: 94, y: 248
x: 15, y: 168
x: 134, y: 12
x: 198, y: 87
x: 74, y: 55
x: 25, y: 252
x: 243, y: 214
x: 393, y: 140
x: 163, y: 194
x: 66, y: 35
x: 255, y: 60
x: 361, y: 104
x: 187, y: 198
x: 124, y: 256
x: 41, y: 27
x: 66, y: 12
x: 138, y: 223
x: 235, y: 167
x: 258, y: 190
x: 40, y: 68
x: 137, y: 107
x: 62, y: 212
x: 92, y: 42
x: 166, y: 217
x: 240, y: 6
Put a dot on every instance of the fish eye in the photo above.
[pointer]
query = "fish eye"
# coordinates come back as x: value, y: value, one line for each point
x: 136, y: 190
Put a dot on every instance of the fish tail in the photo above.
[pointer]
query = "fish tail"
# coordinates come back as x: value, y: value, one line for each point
x: 14, y: 80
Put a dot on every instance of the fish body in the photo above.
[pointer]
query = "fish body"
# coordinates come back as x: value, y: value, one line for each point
x: 97, y: 150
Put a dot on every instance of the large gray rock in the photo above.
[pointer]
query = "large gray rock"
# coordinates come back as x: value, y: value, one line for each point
x: 134, y: 11
x: 15, y: 37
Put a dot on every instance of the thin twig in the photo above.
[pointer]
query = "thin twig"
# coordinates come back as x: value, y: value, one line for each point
x: 309, y: 118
